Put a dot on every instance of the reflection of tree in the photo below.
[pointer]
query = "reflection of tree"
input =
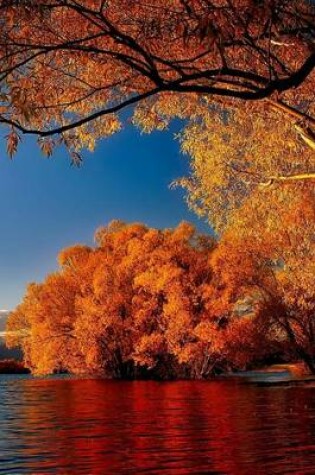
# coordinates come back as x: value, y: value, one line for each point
x: 98, y: 427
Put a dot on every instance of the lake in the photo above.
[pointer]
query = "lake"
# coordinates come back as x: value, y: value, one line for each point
x: 76, y: 426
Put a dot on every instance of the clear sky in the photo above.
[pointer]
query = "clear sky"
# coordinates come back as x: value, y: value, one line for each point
x: 46, y: 205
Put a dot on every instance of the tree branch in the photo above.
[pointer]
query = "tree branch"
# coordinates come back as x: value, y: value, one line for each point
x: 289, y: 178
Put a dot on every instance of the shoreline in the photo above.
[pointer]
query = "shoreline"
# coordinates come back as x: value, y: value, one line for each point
x: 276, y: 374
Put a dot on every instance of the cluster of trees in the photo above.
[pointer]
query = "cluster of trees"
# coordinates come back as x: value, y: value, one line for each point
x: 164, y: 303
x: 240, y: 74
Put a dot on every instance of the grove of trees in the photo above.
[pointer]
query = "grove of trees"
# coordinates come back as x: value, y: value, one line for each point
x: 164, y: 304
x: 240, y: 76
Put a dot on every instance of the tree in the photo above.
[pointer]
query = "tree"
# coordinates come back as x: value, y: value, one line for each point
x: 123, y: 309
x: 275, y: 265
x: 242, y: 155
x: 67, y: 67
x: 42, y: 326
x: 169, y: 301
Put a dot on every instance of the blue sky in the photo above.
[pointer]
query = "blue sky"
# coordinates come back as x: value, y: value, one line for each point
x: 46, y: 205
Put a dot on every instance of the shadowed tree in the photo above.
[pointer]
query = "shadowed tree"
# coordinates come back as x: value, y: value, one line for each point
x: 272, y: 260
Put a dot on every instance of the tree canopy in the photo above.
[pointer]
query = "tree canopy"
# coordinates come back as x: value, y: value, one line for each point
x: 234, y: 160
x: 67, y: 67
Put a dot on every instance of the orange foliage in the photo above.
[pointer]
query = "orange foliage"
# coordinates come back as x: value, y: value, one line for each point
x: 265, y: 261
x: 143, y: 303
x: 69, y: 67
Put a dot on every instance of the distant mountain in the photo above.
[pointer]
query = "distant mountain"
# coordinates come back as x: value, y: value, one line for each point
x: 4, y: 351
x: 9, y: 354
x: 3, y: 319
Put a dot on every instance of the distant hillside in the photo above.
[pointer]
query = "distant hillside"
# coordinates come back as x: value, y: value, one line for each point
x: 3, y: 319
x: 6, y: 353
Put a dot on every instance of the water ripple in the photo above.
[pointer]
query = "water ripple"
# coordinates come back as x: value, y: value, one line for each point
x: 69, y: 426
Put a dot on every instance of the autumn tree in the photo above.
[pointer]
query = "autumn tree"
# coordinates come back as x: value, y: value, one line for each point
x: 265, y: 259
x: 68, y: 67
x: 46, y: 342
x: 235, y: 157
x: 169, y: 302
x: 123, y: 309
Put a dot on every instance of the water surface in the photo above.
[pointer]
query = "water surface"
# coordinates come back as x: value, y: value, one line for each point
x: 69, y: 426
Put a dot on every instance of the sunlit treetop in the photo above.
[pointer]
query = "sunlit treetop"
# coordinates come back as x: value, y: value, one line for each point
x: 251, y: 156
x: 67, y: 67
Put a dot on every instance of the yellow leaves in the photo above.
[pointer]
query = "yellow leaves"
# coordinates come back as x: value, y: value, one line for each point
x: 109, y: 125
x: 156, y: 114
x: 148, y: 119
x: 102, y: 127
x: 74, y: 66
x: 232, y: 153
x: 86, y: 140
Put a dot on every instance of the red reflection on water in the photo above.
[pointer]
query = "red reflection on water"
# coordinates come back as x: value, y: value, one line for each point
x: 99, y: 427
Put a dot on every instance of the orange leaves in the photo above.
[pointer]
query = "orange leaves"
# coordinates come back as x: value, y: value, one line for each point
x: 165, y: 303
x: 46, y: 146
x: 13, y: 140
x: 130, y: 301
x: 71, y: 64
x: 74, y: 256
